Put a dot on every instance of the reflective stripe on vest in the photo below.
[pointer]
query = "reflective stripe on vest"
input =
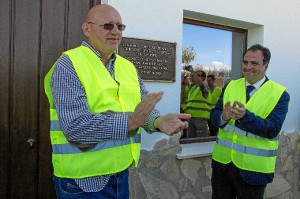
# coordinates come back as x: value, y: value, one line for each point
x: 72, y: 149
x: 239, y: 131
x: 247, y: 150
x: 55, y: 125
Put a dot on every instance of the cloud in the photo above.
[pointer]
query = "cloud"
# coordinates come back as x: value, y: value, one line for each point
x: 217, y: 64
x: 218, y: 51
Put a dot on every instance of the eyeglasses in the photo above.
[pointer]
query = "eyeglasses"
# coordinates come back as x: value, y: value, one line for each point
x: 110, y: 26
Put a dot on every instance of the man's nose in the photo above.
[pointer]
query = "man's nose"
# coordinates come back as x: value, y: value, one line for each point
x: 248, y: 66
x: 115, y: 29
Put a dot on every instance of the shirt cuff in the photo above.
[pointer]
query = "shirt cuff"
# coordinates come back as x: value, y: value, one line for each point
x: 120, y: 132
x: 222, y: 122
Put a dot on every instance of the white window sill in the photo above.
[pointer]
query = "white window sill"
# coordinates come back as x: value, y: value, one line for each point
x: 195, y: 150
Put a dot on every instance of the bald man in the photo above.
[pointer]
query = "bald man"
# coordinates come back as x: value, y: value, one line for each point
x: 98, y: 105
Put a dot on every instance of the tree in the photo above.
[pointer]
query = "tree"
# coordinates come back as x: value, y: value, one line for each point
x: 188, y: 55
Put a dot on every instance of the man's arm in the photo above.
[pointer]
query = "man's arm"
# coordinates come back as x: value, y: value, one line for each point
x: 202, y: 85
x: 216, y: 112
x: 169, y: 124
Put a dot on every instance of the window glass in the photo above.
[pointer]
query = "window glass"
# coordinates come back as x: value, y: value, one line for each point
x: 212, y: 48
x: 217, y: 51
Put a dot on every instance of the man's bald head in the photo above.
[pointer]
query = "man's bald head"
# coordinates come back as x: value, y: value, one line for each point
x: 100, y: 10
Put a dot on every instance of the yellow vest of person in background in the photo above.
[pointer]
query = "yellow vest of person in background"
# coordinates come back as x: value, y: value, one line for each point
x: 213, y: 97
x: 196, y: 104
x: 246, y: 150
x: 183, y: 104
x: 103, y: 93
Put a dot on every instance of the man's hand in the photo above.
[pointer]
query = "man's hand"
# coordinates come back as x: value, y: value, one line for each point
x: 172, y: 123
x: 236, y: 111
x: 226, y: 115
x: 141, y: 113
x: 197, y: 79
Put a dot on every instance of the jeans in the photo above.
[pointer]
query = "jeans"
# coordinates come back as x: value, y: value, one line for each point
x: 116, y: 188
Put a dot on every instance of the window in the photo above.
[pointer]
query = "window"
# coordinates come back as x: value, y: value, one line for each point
x: 215, y: 49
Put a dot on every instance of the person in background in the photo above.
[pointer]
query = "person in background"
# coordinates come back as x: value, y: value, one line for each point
x: 186, y: 86
x: 249, y: 115
x: 98, y: 104
x: 213, y: 96
x: 197, y: 106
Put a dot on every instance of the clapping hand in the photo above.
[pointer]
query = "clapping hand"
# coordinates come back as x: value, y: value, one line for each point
x: 236, y: 111
x: 172, y: 123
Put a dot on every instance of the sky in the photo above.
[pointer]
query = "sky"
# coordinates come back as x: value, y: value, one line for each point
x: 212, y: 46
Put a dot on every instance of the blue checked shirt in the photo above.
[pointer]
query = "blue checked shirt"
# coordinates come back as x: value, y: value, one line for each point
x: 79, y: 125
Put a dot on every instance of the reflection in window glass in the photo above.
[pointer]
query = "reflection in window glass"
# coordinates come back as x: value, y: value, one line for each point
x: 210, y: 50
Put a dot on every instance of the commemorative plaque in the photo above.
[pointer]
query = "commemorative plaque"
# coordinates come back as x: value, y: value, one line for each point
x: 154, y: 60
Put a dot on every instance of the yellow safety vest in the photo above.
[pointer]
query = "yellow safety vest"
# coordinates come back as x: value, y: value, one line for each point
x: 213, y: 97
x: 246, y: 150
x: 196, y: 104
x: 186, y: 94
x: 121, y: 95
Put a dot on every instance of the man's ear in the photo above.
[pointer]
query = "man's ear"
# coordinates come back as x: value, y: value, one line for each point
x: 85, y: 29
x: 266, y: 66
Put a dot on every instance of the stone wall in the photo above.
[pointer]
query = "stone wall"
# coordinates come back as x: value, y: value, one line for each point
x: 161, y: 175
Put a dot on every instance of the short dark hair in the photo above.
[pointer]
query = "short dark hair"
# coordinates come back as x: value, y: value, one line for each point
x: 211, y: 76
x: 266, y: 52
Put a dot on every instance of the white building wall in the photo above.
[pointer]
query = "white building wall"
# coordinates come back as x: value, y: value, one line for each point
x: 272, y: 23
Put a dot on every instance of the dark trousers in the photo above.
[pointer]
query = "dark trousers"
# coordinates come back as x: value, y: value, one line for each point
x: 213, y: 131
x: 230, y: 185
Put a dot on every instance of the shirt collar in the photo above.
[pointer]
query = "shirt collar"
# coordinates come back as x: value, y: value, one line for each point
x: 257, y: 84
x: 86, y: 44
